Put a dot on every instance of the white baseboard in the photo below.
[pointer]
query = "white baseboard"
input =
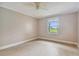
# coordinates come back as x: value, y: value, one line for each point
x: 16, y: 44
x: 68, y: 42
x: 21, y: 42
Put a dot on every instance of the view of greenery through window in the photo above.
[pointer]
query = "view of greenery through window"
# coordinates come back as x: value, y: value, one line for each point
x: 53, y: 25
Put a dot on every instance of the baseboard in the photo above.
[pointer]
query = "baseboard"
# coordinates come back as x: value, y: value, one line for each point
x: 34, y: 38
x: 62, y: 41
x: 16, y: 44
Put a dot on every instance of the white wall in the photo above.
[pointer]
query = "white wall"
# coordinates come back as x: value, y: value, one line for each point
x: 15, y: 27
x: 67, y: 28
x: 78, y: 29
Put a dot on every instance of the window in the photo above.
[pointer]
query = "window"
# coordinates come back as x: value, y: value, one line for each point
x: 53, y: 25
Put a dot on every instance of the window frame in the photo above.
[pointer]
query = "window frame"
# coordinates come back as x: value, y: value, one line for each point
x: 58, y: 29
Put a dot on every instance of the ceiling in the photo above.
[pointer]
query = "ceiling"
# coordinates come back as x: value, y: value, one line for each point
x: 45, y: 8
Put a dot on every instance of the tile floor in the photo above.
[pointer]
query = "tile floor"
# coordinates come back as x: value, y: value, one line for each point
x: 40, y: 48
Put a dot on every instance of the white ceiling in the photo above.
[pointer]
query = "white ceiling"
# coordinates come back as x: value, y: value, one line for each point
x: 46, y: 8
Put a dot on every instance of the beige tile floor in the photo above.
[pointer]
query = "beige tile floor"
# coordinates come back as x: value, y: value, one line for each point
x: 40, y: 48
